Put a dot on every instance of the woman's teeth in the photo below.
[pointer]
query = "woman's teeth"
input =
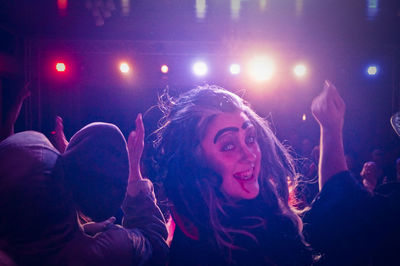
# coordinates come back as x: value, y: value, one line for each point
x: 246, y: 175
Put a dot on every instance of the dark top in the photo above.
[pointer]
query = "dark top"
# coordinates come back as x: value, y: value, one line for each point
x: 274, y: 240
x: 346, y: 225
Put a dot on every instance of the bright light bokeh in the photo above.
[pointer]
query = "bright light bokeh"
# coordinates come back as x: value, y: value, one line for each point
x: 261, y: 68
x: 164, y: 69
x: 372, y: 9
x: 62, y: 4
x: 124, y: 67
x: 235, y: 8
x: 201, y: 9
x: 60, y: 67
x: 372, y: 70
x: 125, y: 7
x: 300, y: 70
x: 263, y: 5
x: 234, y: 69
x: 299, y: 8
x: 200, y: 68
x: 304, y: 117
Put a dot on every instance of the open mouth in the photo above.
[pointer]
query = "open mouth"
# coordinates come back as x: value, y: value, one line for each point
x: 247, y: 175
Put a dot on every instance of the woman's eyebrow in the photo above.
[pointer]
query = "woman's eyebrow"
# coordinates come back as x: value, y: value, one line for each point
x: 222, y: 131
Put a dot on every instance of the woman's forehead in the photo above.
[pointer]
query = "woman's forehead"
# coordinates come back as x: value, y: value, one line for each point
x: 237, y: 119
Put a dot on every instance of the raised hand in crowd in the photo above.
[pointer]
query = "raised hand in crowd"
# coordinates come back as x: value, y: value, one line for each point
x: 135, y: 148
x: 328, y: 109
x: 58, y: 138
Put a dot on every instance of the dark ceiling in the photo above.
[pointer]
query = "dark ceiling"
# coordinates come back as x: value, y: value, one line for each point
x: 370, y: 21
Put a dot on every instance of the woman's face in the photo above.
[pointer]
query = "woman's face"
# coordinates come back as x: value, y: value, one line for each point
x: 231, y: 149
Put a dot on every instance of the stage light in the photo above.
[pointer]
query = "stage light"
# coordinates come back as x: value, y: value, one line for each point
x: 200, y: 68
x: 304, y: 117
x: 234, y: 69
x: 124, y: 67
x: 125, y: 7
x: 261, y: 68
x: 60, y: 67
x: 300, y: 70
x: 372, y: 70
x: 164, y: 69
x: 235, y: 8
x: 62, y: 4
x: 201, y: 9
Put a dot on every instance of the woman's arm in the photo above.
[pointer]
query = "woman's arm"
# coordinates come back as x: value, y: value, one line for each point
x: 143, y: 236
x: 328, y: 109
x: 337, y: 222
x: 141, y: 212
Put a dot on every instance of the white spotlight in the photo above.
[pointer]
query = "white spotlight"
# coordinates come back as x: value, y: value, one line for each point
x: 261, y: 68
x: 124, y: 67
x: 300, y: 70
x: 200, y: 68
x: 234, y: 69
x: 372, y: 70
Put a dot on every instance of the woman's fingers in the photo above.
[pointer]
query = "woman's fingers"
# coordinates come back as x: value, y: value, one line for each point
x: 59, y: 124
x: 139, y: 129
x: 131, y: 140
x: 59, y: 139
x: 328, y: 107
x: 25, y: 92
x: 135, y: 147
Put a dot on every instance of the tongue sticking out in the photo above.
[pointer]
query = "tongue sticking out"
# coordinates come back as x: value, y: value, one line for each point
x: 241, y: 182
x: 244, y: 177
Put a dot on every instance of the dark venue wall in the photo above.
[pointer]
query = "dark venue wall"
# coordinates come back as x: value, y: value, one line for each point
x: 337, y: 40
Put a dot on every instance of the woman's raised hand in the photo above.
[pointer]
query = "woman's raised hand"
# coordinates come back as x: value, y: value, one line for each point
x: 135, y: 147
x: 328, y: 108
x: 58, y: 137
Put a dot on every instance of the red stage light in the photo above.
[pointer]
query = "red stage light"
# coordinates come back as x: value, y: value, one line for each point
x: 62, y: 4
x: 62, y: 7
x: 60, y: 67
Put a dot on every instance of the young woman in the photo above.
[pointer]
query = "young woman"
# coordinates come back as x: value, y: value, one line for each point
x: 226, y: 175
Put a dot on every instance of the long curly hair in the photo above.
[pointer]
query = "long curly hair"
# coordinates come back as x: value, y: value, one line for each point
x: 191, y: 185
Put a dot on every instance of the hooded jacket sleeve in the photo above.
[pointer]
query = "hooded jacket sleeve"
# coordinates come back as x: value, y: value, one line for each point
x: 145, y: 221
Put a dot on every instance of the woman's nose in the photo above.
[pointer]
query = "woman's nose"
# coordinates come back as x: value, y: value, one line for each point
x: 248, y: 153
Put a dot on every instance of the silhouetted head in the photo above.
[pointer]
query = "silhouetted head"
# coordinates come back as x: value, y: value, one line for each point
x: 37, y: 213
x: 96, y: 167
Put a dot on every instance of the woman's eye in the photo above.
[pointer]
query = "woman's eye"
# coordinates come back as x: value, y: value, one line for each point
x: 228, y: 147
x: 251, y: 139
